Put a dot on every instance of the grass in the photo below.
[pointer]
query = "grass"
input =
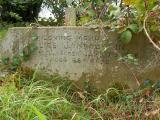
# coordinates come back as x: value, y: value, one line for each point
x: 32, y: 97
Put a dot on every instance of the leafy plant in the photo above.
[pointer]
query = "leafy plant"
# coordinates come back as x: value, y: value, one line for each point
x: 5, y: 60
x: 130, y: 30
x: 3, y: 33
x: 16, y: 61
x: 130, y: 58
x: 126, y: 36
x: 20, y: 10
x: 127, y: 18
x: 24, y: 55
x: 57, y: 8
x: 15, y: 16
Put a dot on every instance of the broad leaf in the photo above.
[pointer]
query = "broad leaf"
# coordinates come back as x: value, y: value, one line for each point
x: 84, y: 20
x: 34, y: 37
x: 91, y: 12
x: 126, y: 36
x: 133, y: 27
x: 100, y: 2
x: 16, y: 61
x: 154, y: 27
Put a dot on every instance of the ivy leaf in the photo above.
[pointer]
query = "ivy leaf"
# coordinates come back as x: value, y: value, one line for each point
x: 146, y: 84
x: 5, y: 60
x: 133, y: 27
x: 91, y: 12
x: 130, y: 56
x: 34, y: 37
x: 154, y: 27
x: 157, y: 85
x: 99, y: 2
x: 32, y: 47
x: 15, y: 61
x: 25, y: 53
x: 81, y: 10
x: 126, y: 36
x: 84, y: 20
x: 86, y: 4
x: 114, y: 10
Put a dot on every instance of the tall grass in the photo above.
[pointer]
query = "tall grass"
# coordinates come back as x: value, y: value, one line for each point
x: 37, y: 101
x: 56, y: 98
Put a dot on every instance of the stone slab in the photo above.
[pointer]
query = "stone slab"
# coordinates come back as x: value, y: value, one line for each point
x: 77, y: 52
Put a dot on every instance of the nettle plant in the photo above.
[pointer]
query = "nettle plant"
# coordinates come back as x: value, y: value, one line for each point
x: 24, y: 54
x: 127, y: 18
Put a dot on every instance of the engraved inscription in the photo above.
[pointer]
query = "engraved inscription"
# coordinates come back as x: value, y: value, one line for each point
x: 70, y: 48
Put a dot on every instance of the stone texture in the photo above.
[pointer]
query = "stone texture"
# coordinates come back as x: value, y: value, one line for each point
x: 77, y: 52
x: 70, y: 16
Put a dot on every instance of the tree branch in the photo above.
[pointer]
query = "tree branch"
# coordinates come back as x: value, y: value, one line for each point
x: 147, y: 34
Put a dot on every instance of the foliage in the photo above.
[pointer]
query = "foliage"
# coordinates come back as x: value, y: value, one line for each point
x: 37, y: 100
x: 58, y: 8
x: 48, y: 98
x: 20, y: 10
x: 29, y: 48
x: 129, y: 58
x: 141, y: 5
x: 126, y: 18
x: 126, y: 36
x: 3, y: 32
x: 26, y: 98
x: 24, y: 54
x: 47, y: 22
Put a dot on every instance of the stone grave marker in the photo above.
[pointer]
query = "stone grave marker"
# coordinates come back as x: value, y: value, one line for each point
x: 78, y: 53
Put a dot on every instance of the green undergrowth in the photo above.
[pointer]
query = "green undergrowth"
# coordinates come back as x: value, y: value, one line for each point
x: 27, y: 95
x: 3, y: 33
x: 4, y: 26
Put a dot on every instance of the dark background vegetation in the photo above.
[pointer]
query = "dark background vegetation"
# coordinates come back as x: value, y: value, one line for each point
x: 13, y: 11
x: 20, y: 10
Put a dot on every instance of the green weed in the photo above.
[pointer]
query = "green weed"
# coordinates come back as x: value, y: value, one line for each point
x: 57, y: 98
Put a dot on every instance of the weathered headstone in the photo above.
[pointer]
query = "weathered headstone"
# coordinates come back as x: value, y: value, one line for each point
x: 78, y: 53
x: 70, y: 51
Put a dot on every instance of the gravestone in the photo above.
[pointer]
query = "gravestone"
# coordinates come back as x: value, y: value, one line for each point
x: 69, y: 51
x: 78, y: 53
